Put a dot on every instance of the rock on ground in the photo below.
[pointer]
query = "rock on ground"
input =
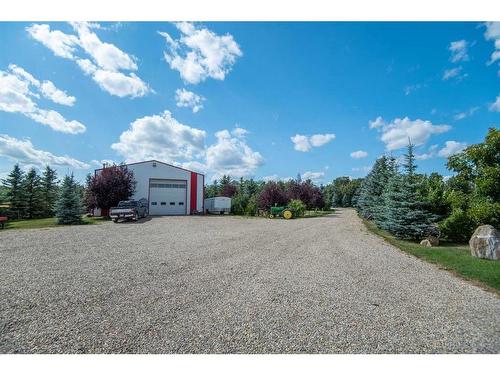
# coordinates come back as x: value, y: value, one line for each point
x: 485, y: 243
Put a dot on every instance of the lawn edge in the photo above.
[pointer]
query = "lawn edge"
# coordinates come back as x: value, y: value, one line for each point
x: 54, y: 225
x: 391, y: 241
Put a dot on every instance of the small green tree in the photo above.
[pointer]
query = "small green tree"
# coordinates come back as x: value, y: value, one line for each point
x: 15, y: 193
x: 298, y: 207
x: 69, y: 207
x: 371, y: 202
x: 406, y: 215
x: 49, y: 191
x: 33, y: 191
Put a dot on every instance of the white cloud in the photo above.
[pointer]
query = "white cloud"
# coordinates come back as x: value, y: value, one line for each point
x: 495, y: 106
x: 107, y: 56
x: 195, y: 166
x: 119, y: 84
x: 377, y: 123
x: 396, y: 134
x: 107, y: 61
x: 56, y: 121
x: 163, y: 138
x: 18, y: 92
x: 100, y: 163
x: 200, y: 53
x: 23, y: 151
x: 188, y: 99
x: 232, y: 155
x: 451, y: 148
x: 462, y: 115
x: 359, y: 154
x: 276, y: 178
x: 46, y: 88
x: 313, y: 176
x: 239, y: 132
x: 63, y: 45
x: 50, y: 91
x: 160, y: 137
x: 364, y: 169
x: 493, y: 33
x: 318, y: 140
x: 458, y: 51
x: 454, y: 73
x: 301, y: 143
x: 304, y: 143
x: 429, y: 154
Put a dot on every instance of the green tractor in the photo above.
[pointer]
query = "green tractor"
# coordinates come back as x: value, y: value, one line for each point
x: 281, y: 211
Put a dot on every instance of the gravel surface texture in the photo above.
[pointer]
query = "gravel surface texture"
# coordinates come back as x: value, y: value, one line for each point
x: 232, y: 285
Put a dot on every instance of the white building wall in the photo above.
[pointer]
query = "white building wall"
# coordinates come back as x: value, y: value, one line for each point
x: 145, y: 171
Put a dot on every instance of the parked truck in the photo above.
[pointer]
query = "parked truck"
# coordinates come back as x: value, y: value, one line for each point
x: 129, y: 210
x: 217, y: 205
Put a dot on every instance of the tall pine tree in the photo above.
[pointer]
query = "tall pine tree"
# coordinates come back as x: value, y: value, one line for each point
x: 406, y: 215
x: 49, y: 191
x: 33, y: 193
x: 370, y: 201
x: 69, y: 207
x: 15, y: 195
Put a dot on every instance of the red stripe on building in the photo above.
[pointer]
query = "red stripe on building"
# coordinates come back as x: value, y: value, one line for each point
x: 194, y: 191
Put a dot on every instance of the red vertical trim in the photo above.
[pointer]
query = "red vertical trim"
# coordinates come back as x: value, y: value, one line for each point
x: 194, y: 190
x: 203, y: 195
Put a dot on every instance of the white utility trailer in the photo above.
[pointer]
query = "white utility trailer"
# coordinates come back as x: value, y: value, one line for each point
x: 217, y: 205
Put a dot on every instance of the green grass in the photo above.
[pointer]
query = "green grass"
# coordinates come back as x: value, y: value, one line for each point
x: 455, y: 258
x: 313, y: 213
x: 46, y: 223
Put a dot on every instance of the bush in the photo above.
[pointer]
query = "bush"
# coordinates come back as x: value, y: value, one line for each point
x: 298, y: 207
x: 484, y: 212
x: 251, y: 207
x: 239, y: 203
x: 458, y: 227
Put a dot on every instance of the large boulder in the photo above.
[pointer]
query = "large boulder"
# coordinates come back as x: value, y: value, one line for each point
x: 426, y: 243
x: 434, y: 240
x: 485, y: 243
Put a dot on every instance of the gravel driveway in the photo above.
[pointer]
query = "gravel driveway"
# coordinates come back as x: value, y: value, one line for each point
x: 232, y: 285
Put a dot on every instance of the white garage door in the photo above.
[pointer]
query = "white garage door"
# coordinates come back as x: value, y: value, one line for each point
x: 167, y: 197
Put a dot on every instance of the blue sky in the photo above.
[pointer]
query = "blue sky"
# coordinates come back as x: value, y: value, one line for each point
x: 249, y: 99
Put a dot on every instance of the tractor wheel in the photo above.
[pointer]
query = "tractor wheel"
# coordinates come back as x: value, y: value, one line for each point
x: 271, y: 216
x: 287, y: 214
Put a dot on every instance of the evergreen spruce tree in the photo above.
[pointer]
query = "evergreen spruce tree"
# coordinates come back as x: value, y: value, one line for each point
x: 33, y: 193
x: 69, y: 207
x: 49, y: 191
x: 15, y: 194
x: 370, y: 201
x: 406, y: 215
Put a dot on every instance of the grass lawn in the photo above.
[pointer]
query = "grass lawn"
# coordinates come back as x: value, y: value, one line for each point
x: 45, y: 223
x: 314, y: 213
x: 452, y: 257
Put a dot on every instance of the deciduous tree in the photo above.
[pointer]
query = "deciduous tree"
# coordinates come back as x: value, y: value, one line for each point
x: 110, y: 186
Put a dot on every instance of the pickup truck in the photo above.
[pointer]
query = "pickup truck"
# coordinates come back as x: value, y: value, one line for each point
x: 129, y: 210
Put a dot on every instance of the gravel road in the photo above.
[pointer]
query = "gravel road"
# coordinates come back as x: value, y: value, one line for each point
x: 232, y: 285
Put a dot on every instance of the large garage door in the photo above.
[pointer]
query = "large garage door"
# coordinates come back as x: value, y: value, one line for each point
x: 167, y: 197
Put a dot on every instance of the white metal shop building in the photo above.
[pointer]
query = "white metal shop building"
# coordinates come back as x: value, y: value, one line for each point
x: 170, y: 190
